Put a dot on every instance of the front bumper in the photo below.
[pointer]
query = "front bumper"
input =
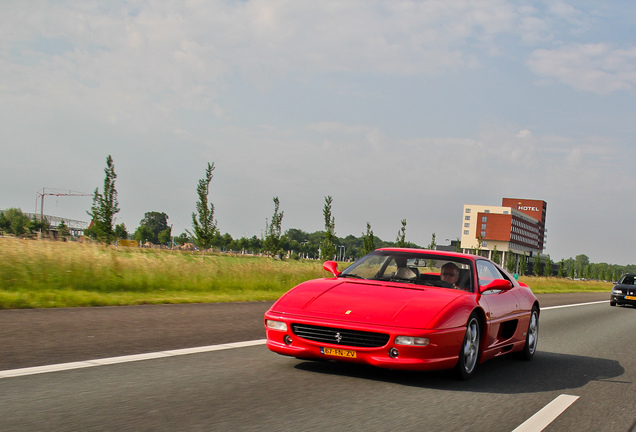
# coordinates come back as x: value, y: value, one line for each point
x: 441, y: 353
x: 623, y: 299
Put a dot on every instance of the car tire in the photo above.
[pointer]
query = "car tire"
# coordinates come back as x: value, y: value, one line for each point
x: 612, y: 303
x: 469, y: 351
x: 532, y: 336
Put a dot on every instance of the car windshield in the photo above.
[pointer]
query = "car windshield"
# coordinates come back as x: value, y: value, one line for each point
x: 627, y: 279
x: 415, y: 268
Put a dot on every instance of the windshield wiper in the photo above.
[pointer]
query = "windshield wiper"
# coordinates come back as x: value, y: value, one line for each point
x: 402, y: 280
x: 351, y: 275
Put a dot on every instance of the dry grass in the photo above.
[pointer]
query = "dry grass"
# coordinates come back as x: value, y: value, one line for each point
x: 40, y: 274
x: 542, y: 285
x: 54, y: 274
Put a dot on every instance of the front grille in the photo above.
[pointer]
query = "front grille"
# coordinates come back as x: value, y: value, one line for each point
x: 353, y: 338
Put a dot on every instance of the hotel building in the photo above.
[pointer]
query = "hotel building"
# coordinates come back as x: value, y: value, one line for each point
x: 517, y: 227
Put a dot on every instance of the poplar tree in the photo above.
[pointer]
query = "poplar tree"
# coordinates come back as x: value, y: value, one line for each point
x: 104, y: 208
x: 547, y: 268
x: 273, y: 231
x: 523, y: 264
x: 433, y: 244
x: 561, y: 271
x: 536, y: 265
x: 203, y: 222
x: 401, y: 237
x: 368, y: 241
x: 511, y: 263
x: 328, y: 249
x: 496, y: 255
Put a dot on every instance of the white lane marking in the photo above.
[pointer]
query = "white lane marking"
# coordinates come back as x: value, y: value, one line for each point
x: 573, y: 305
x: 547, y: 414
x: 124, y: 359
x: 137, y: 357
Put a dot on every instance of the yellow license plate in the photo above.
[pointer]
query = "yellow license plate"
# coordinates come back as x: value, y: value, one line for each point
x: 630, y: 298
x: 338, y: 352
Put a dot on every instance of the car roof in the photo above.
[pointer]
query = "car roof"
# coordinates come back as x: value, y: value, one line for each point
x: 433, y: 252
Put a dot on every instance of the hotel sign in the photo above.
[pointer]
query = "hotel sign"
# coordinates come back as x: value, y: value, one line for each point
x: 527, y: 208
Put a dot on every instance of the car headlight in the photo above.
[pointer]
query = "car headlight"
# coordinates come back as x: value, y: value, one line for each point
x: 411, y: 340
x: 617, y: 292
x: 276, y: 325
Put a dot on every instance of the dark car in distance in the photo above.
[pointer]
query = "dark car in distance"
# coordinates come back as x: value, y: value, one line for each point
x: 624, y: 292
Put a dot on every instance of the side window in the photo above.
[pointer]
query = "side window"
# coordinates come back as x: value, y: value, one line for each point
x: 486, y: 272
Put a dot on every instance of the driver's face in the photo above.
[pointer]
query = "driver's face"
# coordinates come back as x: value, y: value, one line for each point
x: 449, y: 275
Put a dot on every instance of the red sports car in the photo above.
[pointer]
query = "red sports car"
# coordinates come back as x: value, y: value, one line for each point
x: 408, y: 309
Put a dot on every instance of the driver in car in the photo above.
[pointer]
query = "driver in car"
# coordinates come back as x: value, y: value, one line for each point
x: 450, y: 274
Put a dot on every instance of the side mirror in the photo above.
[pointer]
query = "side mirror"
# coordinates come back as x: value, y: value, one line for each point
x: 331, y: 266
x: 498, y: 285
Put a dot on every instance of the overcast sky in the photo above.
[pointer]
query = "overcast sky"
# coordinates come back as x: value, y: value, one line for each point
x: 397, y: 109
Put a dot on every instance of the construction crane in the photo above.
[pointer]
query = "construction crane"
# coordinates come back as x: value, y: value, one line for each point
x: 53, y: 192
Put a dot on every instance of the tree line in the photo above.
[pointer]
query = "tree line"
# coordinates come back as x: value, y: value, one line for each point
x: 293, y: 243
x: 205, y: 234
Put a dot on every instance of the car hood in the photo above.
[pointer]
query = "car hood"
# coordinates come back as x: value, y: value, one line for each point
x: 403, y: 305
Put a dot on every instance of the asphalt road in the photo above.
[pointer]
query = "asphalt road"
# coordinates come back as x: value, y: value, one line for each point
x: 36, y: 337
x: 584, y: 351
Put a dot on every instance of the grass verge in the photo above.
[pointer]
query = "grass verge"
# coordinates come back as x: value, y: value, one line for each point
x: 46, y: 274
x: 40, y: 274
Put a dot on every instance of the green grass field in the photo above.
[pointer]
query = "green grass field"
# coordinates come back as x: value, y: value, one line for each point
x: 45, y: 274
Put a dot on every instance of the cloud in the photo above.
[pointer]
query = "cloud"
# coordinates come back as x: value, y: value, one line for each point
x: 599, y: 68
x: 124, y: 46
x: 136, y: 64
x: 524, y: 133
